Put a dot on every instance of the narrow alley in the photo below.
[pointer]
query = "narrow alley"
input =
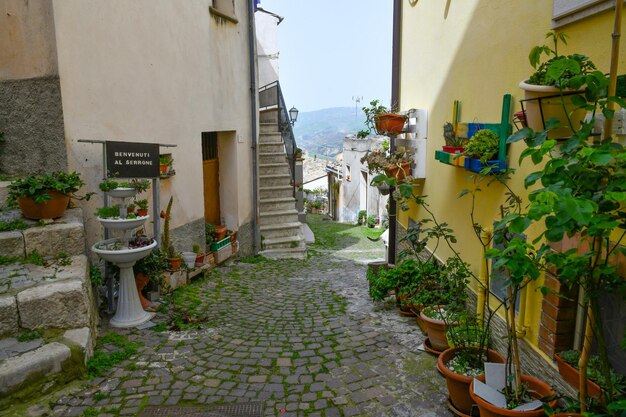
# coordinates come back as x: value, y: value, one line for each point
x: 292, y: 337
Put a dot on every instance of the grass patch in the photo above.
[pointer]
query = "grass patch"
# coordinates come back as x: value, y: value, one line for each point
x: 333, y: 235
x: 17, y: 224
x: 28, y: 335
x: 103, y: 361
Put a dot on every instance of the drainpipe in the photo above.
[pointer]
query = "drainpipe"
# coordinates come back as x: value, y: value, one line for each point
x: 253, y: 127
x: 395, y: 100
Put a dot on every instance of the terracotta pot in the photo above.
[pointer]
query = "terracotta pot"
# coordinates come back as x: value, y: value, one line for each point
x: 572, y: 376
x: 142, y: 212
x: 174, y: 263
x: 544, y: 103
x: 458, y: 385
x: 233, y: 236
x: 389, y: 123
x: 220, y: 232
x: 163, y: 168
x: 200, y: 259
x: 436, y: 331
x: 567, y: 415
x: 538, y: 388
x: 51, y: 209
x: 397, y: 173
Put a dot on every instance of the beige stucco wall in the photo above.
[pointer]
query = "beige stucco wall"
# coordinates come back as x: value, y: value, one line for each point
x: 158, y: 71
x: 476, y: 51
x: 27, y: 44
x: 267, y: 47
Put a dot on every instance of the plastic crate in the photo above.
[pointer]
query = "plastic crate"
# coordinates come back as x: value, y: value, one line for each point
x: 215, y: 246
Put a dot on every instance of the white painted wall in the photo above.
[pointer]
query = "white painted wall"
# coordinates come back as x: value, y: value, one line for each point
x: 158, y: 71
x: 351, y: 192
x: 267, y: 46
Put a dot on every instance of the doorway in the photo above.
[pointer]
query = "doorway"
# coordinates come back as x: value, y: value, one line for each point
x: 211, y: 178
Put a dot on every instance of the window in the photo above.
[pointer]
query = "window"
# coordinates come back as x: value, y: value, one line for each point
x: 568, y: 11
x: 224, y: 9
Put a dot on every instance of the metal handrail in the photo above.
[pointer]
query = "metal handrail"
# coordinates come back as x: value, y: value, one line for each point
x: 271, y: 95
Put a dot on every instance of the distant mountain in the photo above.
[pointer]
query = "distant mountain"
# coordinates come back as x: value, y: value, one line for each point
x: 321, y: 132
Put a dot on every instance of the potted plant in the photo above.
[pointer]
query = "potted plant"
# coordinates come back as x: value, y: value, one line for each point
x: 465, y: 359
x: 46, y: 196
x: 199, y: 255
x: 454, y: 143
x: 130, y: 208
x: 569, y: 369
x: 165, y: 163
x: 173, y: 257
x: 396, y: 164
x: 298, y: 153
x: 112, y: 212
x: 587, y: 174
x: 555, y: 89
x: 142, y: 207
x: 481, y: 150
x: 382, y: 119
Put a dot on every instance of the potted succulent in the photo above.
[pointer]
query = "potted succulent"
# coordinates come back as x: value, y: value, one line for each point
x: 396, y: 164
x: 130, y: 208
x: 46, y: 196
x: 142, y: 207
x: 555, y: 89
x: 454, y: 143
x: 199, y: 255
x: 382, y: 119
x: 165, y: 163
x: 173, y: 257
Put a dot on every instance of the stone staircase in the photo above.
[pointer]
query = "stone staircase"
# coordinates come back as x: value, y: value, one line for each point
x: 48, y: 314
x: 282, y: 235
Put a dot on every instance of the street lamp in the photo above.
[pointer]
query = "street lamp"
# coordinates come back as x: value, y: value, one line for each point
x: 293, y: 115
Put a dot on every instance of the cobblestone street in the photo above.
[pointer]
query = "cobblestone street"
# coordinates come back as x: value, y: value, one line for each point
x: 300, y: 336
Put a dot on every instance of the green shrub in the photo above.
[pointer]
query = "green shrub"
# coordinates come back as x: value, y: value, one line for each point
x: 361, y: 218
x: 371, y: 221
x: 484, y: 145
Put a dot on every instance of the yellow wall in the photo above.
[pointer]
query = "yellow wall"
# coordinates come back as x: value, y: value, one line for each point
x: 476, y: 51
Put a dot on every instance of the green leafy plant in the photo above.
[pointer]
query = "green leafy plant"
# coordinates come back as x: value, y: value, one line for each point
x: 108, y: 212
x: 362, y: 217
x: 371, y: 221
x: 559, y: 70
x: 153, y: 266
x: 209, y: 233
x: 95, y: 276
x: 17, y: 224
x: 37, y: 186
x: 484, y: 145
x: 197, y: 249
x: 103, y: 361
x: 108, y: 184
x: 142, y: 204
x: 131, y: 207
x: 371, y: 112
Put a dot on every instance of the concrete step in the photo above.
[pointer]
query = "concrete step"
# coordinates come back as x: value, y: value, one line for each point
x: 276, y: 192
x: 290, y: 253
x: 278, y: 216
x: 272, y: 147
x: 274, y: 168
x: 28, y: 363
x: 281, y: 230
x: 64, y: 235
x: 274, y: 180
x: 285, y: 242
x: 269, y: 115
x: 269, y: 128
x: 274, y: 204
x: 272, y: 157
x: 270, y: 137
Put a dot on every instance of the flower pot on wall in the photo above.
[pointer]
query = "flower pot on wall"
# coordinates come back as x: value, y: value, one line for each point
x: 51, y: 209
x: 544, y: 102
x: 399, y: 172
x: 389, y: 123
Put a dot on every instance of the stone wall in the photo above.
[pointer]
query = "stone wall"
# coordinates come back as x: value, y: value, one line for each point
x: 185, y: 236
x: 245, y: 236
x: 31, y: 117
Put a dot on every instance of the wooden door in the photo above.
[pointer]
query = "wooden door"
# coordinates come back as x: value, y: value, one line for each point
x: 210, y: 174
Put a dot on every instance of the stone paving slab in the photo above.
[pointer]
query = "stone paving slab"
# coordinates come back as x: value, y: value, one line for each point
x: 299, y: 335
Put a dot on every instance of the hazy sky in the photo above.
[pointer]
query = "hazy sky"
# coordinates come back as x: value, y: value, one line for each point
x: 332, y: 50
